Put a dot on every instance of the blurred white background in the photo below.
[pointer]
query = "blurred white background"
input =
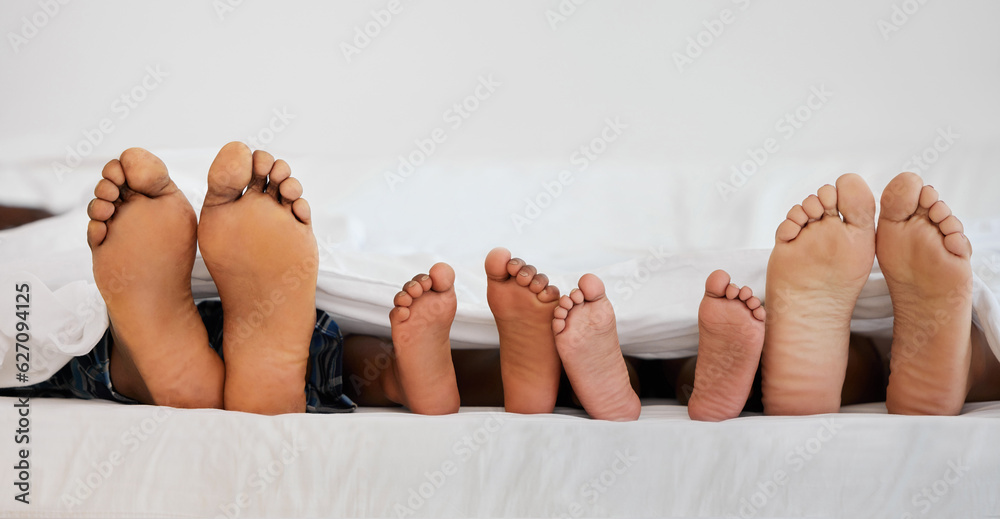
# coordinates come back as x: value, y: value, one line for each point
x: 352, y: 103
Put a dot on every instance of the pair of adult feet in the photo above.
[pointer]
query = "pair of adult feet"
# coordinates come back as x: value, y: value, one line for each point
x: 823, y: 256
x: 256, y: 239
x: 540, y: 334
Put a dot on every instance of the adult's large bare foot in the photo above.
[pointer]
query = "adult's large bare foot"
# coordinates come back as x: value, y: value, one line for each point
x: 142, y: 235
x: 523, y: 304
x: 816, y: 272
x: 730, y: 338
x: 260, y: 249
x: 422, y: 373
x: 926, y: 261
x: 587, y: 342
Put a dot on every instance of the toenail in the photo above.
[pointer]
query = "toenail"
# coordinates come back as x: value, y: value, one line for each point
x: 525, y: 274
x: 425, y: 277
x: 535, y: 282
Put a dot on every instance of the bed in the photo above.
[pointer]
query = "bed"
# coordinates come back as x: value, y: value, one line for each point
x: 669, y: 199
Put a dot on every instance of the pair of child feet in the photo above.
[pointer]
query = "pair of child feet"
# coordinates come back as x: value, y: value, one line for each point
x: 822, y: 258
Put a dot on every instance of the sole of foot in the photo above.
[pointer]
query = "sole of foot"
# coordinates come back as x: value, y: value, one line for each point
x: 822, y: 258
x: 925, y: 257
x: 421, y: 325
x: 256, y: 238
x: 142, y: 234
x: 587, y: 341
x: 730, y: 340
x: 523, y: 303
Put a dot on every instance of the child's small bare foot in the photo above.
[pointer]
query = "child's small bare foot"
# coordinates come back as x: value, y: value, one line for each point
x: 926, y: 261
x: 260, y: 249
x: 587, y: 341
x: 142, y: 234
x: 421, y: 326
x: 816, y: 272
x: 523, y: 303
x: 730, y: 338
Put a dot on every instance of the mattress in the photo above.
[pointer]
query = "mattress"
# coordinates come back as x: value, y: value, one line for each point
x: 143, y: 461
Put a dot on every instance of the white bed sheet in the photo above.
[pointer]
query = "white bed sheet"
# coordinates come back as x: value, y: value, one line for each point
x: 144, y: 461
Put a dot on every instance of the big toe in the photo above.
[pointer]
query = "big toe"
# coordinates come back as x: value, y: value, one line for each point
x: 592, y: 287
x: 496, y: 264
x: 901, y: 197
x: 717, y: 283
x: 144, y: 172
x: 855, y: 201
x: 229, y: 174
x: 442, y: 277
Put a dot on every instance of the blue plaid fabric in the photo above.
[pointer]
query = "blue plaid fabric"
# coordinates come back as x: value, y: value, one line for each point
x: 89, y: 376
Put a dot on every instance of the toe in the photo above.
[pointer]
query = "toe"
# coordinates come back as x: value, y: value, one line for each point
x: 549, y: 294
x: 753, y: 303
x: 538, y: 283
x: 424, y: 280
x: 100, y: 210
x: 106, y: 190
x: 290, y: 190
x: 558, y: 325
x: 399, y: 314
x: 798, y: 215
x: 732, y: 291
x: 951, y: 225
x: 560, y: 313
x: 229, y: 174
x: 525, y: 274
x: 262, y: 162
x: 145, y: 173
x: 577, y: 296
x: 855, y: 201
x: 566, y: 303
x: 302, y: 211
x: 96, y: 232
x: 938, y: 212
x: 413, y: 288
x: 759, y: 314
x: 592, y: 287
x: 280, y: 172
x: 788, y: 231
x: 957, y: 244
x: 745, y: 293
x: 496, y: 264
x: 828, y: 197
x: 443, y: 277
x: 928, y: 196
x: 813, y: 207
x: 715, y: 285
x: 113, y: 172
x: 901, y: 197
x: 402, y: 299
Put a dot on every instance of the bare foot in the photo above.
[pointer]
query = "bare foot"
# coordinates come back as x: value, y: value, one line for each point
x: 587, y: 341
x: 730, y: 338
x: 523, y: 303
x: 816, y: 272
x: 261, y: 252
x: 926, y: 261
x: 142, y: 235
x: 421, y: 325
